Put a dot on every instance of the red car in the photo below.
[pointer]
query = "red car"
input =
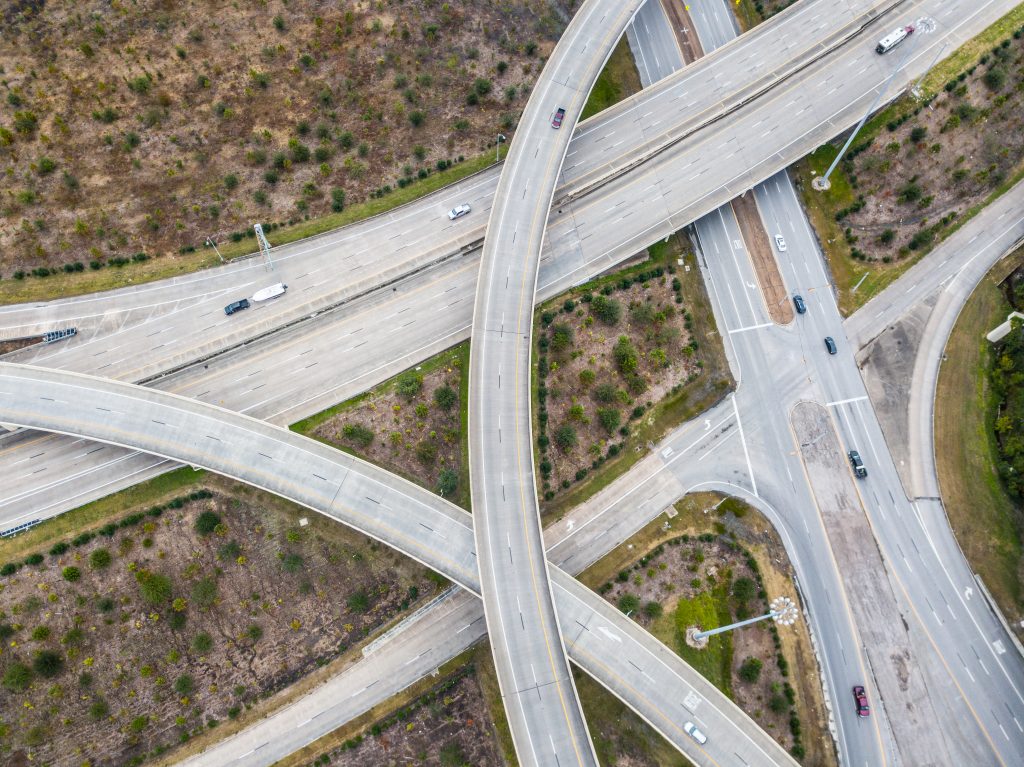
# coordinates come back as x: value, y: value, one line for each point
x: 861, y: 699
x: 556, y: 120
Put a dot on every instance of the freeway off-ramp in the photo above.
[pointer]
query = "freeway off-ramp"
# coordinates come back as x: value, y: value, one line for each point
x: 401, y: 514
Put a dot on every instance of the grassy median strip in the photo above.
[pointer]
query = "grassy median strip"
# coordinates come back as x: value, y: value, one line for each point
x: 987, y: 523
x: 617, y: 80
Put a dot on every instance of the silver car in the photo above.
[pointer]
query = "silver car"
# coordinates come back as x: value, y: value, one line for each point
x: 459, y: 211
x: 780, y: 243
x: 691, y: 729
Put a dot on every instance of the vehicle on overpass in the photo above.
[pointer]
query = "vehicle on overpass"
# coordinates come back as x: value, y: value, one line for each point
x: 272, y: 291
x: 893, y: 39
x: 459, y: 211
x: 236, y: 306
x: 691, y: 729
x: 556, y: 119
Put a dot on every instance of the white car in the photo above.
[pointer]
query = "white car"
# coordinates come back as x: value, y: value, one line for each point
x: 780, y: 243
x: 459, y: 211
x: 691, y: 729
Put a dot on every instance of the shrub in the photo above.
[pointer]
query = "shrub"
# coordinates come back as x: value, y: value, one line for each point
x: 184, y: 684
x: 417, y: 118
x: 254, y: 632
x: 750, y: 670
x: 40, y: 633
x: 357, y: 433
x: 139, y: 723
x: 604, y: 393
x: 445, y: 398
x: 626, y: 358
x: 48, y: 663
x: 447, y: 482
x: 58, y: 549
x: 99, y: 709
x: 995, y: 78
x: 204, y: 592
x: 744, y: 589
x: 337, y: 200
x: 409, y: 384
x: 155, y: 588
x: 34, y: 559
x: 358, y: 602
x: 426, y: 452
x: 207, y: 522
x: 46, y: 166
x: 607, y: 310
x: 778, y: 703
x: 653, y: 609
x: 918, y: 133
x: 71, y: 574
x: 17, y: 677
x: 100, y: 559
x: 565, y: 437
x: 291, y: 563
x: 609, y: 418
x: 629, y: 603
x: 202, y: 642
x: 887, y: 236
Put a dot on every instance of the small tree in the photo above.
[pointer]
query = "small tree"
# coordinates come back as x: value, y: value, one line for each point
x: 447, y: 482
x: 48, y: 663
x: 202, y: 642
x: 607, y: 310
x: 357, y: 433
x: 629, y: 603
x: 155, y: 588
x: 610, y: 418
x: 750, y: 671
x: 184, y: 684
x: 99, y: 709
x: 100, y: 559
x: 565, y: 437
x: 207, y: 522
x: 445, y: 398
x: 71, y: 574
x: 653, y: 609
x: 409, y: 384
x: 561, y: 337
x: 744, y: 589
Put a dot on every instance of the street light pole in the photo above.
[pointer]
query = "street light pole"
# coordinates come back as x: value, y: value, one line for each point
x: 212, y: 244
x: 922, y: 27
x: 782, y: 610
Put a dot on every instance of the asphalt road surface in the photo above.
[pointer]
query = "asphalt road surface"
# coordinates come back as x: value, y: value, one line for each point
x: 533, y: 671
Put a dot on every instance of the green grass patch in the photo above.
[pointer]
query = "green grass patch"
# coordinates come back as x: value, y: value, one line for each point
x: 987, y: 523
x: 91, y: 515
x: 708, y: 610
x: 110, y: 278
x: 617, y: 80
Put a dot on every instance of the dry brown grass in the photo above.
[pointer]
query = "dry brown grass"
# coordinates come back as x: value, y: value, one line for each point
x: 204, y: 93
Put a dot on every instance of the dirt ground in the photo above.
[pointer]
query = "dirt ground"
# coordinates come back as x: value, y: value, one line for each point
x: 587, y: 390
x: 411, y: 435
x: 247, y: 609
x: 914, y: 182
x: 762, y: 252
x: 148, y: 126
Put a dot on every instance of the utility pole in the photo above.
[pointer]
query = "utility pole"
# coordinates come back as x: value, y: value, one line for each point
x: 921, y: 27
x: 782, y: 610
x: 210, y: 242
x: 497, y: 146
x: 265, y: 247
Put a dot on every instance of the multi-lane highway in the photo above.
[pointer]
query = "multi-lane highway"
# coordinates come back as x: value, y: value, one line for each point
x: 411, y: 519
x: 853, y: 431
x: 591, y: 234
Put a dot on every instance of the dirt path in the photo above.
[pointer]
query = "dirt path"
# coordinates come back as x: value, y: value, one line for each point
x: 761, y: 253
x: 682, y: 25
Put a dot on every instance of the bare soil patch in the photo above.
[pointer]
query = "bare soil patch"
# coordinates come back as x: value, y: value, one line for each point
x: 412, y: 424
x: 682, y: 25
x: 605, y: 353
x: 21, y: 343
x: 156, y: 632
x: 763, y: 255
x: 146, y: 127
